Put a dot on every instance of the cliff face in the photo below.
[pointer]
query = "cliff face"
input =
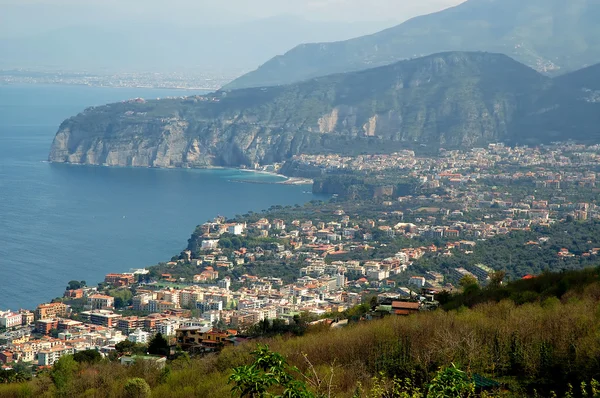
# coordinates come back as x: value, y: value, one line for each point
x: 138, y: 139
x: 454, y: 100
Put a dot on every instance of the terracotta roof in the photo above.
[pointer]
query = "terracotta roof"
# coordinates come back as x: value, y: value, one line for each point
x: 404, y: 305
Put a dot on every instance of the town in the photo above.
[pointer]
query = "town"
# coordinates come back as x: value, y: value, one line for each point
x: 184, y: 80
x: 382, y: 252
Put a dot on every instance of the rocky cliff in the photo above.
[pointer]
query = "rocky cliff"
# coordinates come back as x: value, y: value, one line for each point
x: 454, y: 100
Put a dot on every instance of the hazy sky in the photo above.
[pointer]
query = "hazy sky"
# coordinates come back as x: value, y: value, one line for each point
x: 19, y: 16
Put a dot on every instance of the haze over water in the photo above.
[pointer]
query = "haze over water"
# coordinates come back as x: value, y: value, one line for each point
x: 62, y: 222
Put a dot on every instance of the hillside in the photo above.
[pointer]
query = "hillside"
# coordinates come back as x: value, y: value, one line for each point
x: 553, y: 36
x: 585, y: 79
x: 451, y: 99
x: 541, y: 338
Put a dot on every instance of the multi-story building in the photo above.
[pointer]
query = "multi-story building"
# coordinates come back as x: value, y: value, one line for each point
x: 167, y: 327
x: 118, y: 280
x: 205, y: 306
x: 460, y: 273
x: 236, y: 229
x: 210, y: 244
x: 50, y: 356
x: 417, y: 281
x: 6, y: 357
x: 45, y: 326
x: 225, y: 283
x: 129, y: 324
x: 160, y: 305
x: 9, y: 319
x: 50, y: 310
x: 27, y: 317
x: 101, y: 302
x: 68, y: 324
x: 139, y: 336
x: 101, y: 317
x: 481, y: 271
x: 140, y: 302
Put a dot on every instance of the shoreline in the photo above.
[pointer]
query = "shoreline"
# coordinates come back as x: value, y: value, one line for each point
x: 204, y: 90
x: 287, y: 180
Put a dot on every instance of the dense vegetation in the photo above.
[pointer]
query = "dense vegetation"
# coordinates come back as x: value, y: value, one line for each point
x: 546, y: 343
x: 527, y: 252
x: 550, y: 35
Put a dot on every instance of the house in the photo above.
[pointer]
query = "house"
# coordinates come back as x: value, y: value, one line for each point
x: 203, y: 337
x: 119, y: 280
x: 405, y: 307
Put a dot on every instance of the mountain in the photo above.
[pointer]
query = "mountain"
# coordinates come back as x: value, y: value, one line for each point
x: 164, y: 46
x: 585, y: 79
x: 454, y: 99
x: 550, y: 36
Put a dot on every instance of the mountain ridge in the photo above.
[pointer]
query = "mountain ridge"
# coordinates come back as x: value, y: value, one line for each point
x: 453, y: 99
x: 551, y: 36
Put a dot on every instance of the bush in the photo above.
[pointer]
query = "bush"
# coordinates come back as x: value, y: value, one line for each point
x: 137, y: 388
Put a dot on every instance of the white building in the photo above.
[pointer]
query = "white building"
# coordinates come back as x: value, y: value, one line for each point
x: 236, y: 229
x: 417, y: 281
x: 225, y: 283
x: 101, y: 301
x: 340, y: 280
x: 167, y: 328
x: 10, y: 319
x: 378, y: 274
x: 212, y: 316
x: 50, y: 356
x: 210, y: 244
x: 213, y: 305
x: 139, y: 336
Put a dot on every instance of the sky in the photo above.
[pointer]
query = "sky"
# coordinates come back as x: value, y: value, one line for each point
x: 19, y: 17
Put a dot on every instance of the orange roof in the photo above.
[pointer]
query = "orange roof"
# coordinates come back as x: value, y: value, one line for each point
x: 404, y: 305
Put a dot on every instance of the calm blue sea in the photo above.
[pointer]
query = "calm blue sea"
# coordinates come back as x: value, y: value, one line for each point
x: 61, y: 222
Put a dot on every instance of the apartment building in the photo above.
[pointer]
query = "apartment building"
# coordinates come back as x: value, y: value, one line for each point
x: 50, y: 310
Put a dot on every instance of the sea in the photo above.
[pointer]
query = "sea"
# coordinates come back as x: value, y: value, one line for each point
x: 63, y: 222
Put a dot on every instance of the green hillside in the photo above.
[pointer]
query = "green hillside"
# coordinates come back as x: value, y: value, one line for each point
x: 533, y: 337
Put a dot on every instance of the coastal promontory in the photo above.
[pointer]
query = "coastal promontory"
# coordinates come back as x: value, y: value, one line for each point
x: 450, y: 100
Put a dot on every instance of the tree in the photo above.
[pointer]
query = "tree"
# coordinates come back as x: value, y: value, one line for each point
x: 122, y: 297
x: 137, y: 388
x: 87, y: 356
x: 74, y: 285
x: 268, y: 370
x: 63, y: 374
x: 496, y: 278
x: 469, y: 283
x: 159, y: 346
x: 451, y: 383
x: 124, y: 346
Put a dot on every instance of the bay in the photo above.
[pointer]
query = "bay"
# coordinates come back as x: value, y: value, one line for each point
x: 62, y: 222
